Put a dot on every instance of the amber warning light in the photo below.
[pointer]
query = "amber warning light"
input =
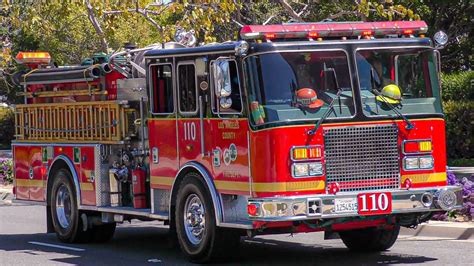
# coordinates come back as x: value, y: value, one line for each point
x: 33, y: 58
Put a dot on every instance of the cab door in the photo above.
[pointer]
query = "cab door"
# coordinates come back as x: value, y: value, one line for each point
x: 162, y: 126
x: 189, y: 124
x: 230, y: 147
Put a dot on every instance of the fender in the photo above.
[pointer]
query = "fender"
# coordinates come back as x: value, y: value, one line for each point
x: 75, y: 178
x: 216, y: 200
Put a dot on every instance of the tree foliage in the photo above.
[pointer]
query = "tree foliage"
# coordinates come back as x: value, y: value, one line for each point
x: 73, y: 30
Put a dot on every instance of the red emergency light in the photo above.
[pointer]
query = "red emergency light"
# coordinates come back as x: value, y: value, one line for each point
x: 333, y: 29
x: 33, y: 58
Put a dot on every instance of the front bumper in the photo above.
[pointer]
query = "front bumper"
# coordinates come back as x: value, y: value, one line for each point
x: 322, y: 206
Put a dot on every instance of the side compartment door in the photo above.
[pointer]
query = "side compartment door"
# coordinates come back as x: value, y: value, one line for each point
x: 162, y: 126
x: 189, y: 127
x: 22, y: 171
x: 29, y: 172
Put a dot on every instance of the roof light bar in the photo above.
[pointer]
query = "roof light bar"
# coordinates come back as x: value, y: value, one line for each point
x: 341, y: 29
x: 33, y: 58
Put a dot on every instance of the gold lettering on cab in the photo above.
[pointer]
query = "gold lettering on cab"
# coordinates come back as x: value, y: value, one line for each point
x: 228, y: 124
x: 228, y: 135
x: 233, y: 175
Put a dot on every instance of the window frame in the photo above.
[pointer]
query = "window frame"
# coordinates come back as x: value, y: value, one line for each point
x: 351, y: 77
x: 178, y: 88
x: 152, y: 95
x: 383, y: 116
x: 213, y: 92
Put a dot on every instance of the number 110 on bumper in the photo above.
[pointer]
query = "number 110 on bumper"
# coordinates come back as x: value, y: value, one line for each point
x: 374, y: 203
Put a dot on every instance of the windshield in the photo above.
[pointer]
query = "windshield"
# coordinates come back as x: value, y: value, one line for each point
x: 291, y: 86
x: 412, y: 70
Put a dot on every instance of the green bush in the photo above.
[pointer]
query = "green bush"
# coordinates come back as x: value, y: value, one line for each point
x: 7, y: 128
x: 459, y: 128
x: 457, y: 86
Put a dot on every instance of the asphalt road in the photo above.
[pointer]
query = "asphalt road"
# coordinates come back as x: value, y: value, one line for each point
x: 22, y: 242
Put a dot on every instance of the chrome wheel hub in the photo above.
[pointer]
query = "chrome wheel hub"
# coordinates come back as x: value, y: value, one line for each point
x: 194, y: 219
x: 63, y: 206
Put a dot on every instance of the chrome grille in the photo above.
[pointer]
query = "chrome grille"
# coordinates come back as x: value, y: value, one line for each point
x: 362, y: 157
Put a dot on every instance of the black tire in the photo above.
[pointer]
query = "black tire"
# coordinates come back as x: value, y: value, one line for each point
x: 215, y: 243
x: 70, y: 230
x: 370, y: 239
x: 103, y: 233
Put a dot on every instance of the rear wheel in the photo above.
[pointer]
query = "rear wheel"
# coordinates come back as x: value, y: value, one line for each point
x: 370, y: 239
x: 64, y: 212
x: 198, y: 236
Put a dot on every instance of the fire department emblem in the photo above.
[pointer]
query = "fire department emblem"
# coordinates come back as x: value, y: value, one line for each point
x: 217, y: 157
x: 227, y: 157
x: 233, y: 152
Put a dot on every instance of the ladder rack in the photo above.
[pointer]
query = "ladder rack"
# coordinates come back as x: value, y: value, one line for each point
x: 105, y: 122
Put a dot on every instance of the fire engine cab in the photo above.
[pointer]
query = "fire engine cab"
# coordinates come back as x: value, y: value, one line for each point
x: 333, y: 127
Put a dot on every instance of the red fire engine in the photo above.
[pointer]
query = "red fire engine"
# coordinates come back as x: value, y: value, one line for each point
x: 333, y: 127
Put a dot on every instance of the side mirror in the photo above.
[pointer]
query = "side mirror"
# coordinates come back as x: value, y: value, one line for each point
x: 440, y: 39
x: 225, y: 102
x: 222, y: 80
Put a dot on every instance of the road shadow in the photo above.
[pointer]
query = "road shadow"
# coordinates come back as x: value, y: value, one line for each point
x: 264, y: 251
x: 136, y: 245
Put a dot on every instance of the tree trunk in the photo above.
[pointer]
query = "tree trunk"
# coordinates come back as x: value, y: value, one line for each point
x: 97, y: 27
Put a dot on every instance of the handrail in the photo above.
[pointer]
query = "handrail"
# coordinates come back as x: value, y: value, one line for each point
x: 62, y: 93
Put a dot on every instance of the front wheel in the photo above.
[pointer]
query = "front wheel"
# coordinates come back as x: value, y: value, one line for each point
x: 198, y: 236
x: 370, y: 239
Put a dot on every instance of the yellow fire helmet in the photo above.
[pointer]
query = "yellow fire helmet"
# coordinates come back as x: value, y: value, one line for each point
x: 391, y: 94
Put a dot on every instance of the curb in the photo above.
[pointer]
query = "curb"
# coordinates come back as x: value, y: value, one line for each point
x: 6, y: 195
x: 449, y: 230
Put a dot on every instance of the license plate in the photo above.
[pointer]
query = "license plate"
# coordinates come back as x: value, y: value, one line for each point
x: 345, y: 205
x: 374, y: 203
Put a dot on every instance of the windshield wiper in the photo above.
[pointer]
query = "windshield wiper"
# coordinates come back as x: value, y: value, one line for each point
x: 326, y: 114
x: 393, y: 108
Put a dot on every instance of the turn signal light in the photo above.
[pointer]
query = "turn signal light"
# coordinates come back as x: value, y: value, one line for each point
x: 252, y: 209
x: 417, y: 146
x: 304, y: 153
x: 424, y: 145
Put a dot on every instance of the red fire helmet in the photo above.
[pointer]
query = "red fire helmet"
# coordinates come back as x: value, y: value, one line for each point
x: 308, y: 98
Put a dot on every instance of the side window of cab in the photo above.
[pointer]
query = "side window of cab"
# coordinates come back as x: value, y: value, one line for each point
x: 187, y: 89
x: 227, y: 96
x: 162, y: 88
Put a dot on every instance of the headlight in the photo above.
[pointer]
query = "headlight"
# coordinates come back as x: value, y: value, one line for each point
x: 315, y: 169
x: 300, y: 169
x: 419, y: 163
x: 426, y: 162
x: 411, y: 163
x: 307, y: 169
